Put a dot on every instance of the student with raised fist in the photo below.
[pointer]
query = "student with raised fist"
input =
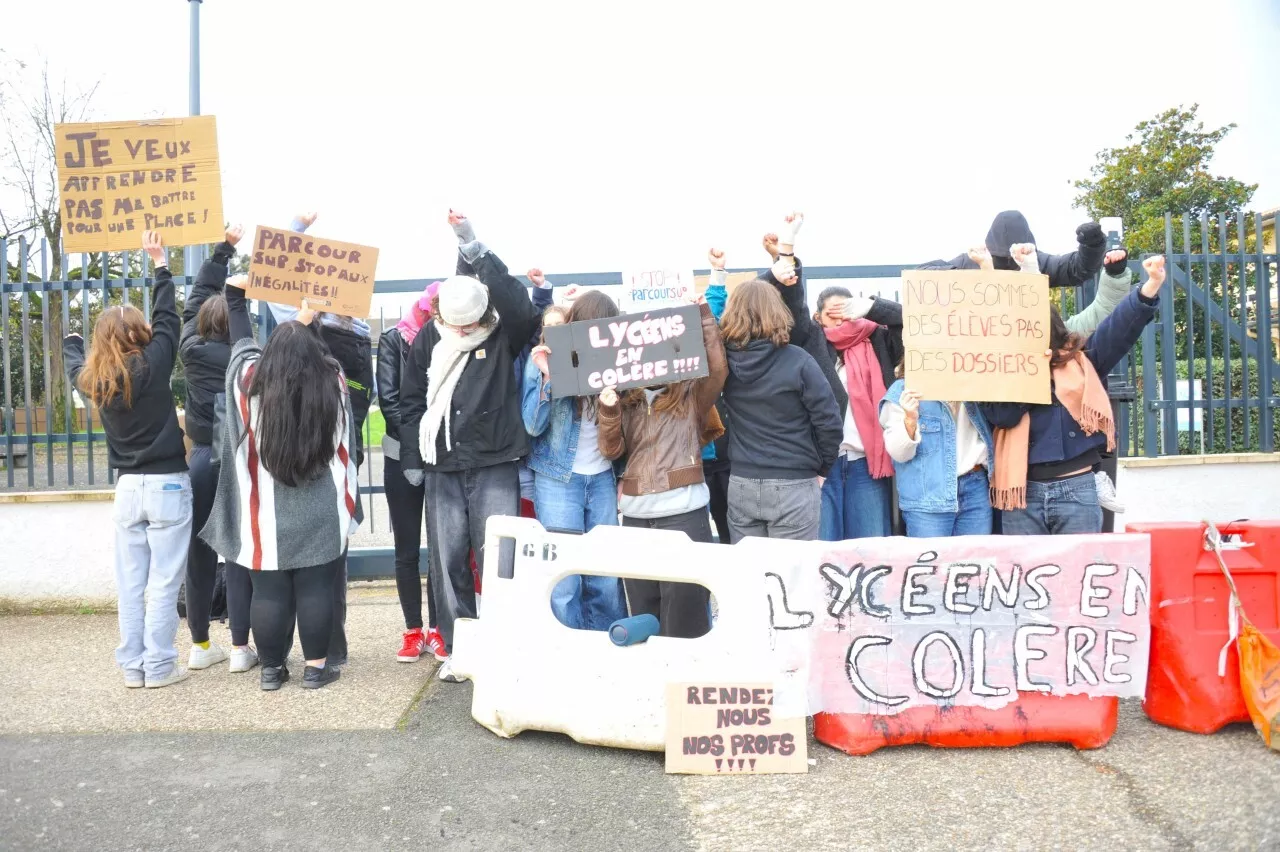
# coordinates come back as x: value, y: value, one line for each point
x: 1045, y: 454
x: 126, y: 377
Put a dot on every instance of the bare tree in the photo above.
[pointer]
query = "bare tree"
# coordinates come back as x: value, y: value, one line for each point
x: 31, y: 105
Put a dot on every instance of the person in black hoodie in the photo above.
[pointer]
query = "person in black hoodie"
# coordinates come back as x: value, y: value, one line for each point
x: 205, y: 347
x: 786, y: 427
x: 126, y: 375
x: 1064, y: 270
x: 461, y: 432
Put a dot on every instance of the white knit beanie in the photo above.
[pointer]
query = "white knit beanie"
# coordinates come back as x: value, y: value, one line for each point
x: 463, y: 300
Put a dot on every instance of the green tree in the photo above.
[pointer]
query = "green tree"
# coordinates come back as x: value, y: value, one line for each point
x: 1164, y: 168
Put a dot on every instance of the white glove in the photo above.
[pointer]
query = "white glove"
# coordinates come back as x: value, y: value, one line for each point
x: 1024, y: 254
x: 858, y: 307
x: 790, y: 227
x: 719, y: 277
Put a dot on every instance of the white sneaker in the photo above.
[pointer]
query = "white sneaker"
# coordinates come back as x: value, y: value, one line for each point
x: 243, y: 659
x: 1107, y: 497
x: 446, y: 674
x: 202, y: 658
x: 177, y: 675
x: 134, y: 679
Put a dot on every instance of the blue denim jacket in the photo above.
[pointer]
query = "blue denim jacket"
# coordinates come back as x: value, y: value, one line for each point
x: 552, y: 424
x: 927, y: 483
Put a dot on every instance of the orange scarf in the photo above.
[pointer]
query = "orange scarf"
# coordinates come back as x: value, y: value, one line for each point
x: 1077, y: 388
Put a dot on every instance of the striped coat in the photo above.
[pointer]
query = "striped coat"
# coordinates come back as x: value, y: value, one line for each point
x: 265, y: 526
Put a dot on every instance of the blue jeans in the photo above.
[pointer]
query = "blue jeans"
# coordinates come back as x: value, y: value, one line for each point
x: 853, y: 504
x: 583, y: 602
x: 1059, y: 507
x: 973, y: 518
x: 152, y: 514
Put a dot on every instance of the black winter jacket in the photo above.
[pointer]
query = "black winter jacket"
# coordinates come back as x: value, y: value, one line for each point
x: 204, y: 361
x: 785, y: 421
x: 886, y: 341
x: 1064, y: 270
x: 392, y: 353
x: 486, y: 425
x: 355, y: 353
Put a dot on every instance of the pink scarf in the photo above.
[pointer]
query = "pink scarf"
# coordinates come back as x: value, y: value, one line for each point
x: 418, y: 315
x: 865, y: 383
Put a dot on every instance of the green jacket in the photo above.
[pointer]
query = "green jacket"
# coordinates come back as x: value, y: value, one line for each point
x: 1111, y: 292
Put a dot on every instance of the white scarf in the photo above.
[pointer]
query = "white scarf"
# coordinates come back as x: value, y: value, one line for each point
x: 448, y: 359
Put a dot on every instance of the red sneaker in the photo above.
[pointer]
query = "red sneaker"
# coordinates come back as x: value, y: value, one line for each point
x: 435, y: 643
x: 414, y: 644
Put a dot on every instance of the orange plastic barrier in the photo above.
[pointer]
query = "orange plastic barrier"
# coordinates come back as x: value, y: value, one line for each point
x: 1189, y: 601
x: 1080, y: 720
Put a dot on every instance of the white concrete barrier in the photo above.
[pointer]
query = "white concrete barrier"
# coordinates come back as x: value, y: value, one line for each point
x: 1218, y: 488
x: 56, y: 550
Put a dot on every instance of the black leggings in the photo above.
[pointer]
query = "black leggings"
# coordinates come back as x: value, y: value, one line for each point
x: 405, y: 505
x: 281, y: 596
x: 239, y: 600
x: 681, y: 608
x: 718, y: 485
x: 202, y: 562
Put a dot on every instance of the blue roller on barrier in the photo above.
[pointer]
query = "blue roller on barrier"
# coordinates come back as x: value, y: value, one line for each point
x: 633, y: 630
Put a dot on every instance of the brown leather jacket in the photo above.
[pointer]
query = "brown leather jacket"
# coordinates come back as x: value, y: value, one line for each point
x: 663, y: 441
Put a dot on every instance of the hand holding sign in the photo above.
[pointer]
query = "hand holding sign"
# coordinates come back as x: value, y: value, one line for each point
x: 305, y: 314
x: 539, y: 356
x: 609, y: 398
x: 234, y: 233
x: 910, y: 402
x: 154, y: 248
x: 1155, y: 276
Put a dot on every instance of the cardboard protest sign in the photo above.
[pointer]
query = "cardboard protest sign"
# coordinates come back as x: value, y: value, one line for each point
x: 287, y: 267
x: 120, y: 178
x: 723, y: 729
x: 658, y: 288
x: 732, y: 282
x: 629, y: 351
x: 976, y: 335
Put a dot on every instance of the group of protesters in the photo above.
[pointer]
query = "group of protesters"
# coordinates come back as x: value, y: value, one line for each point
x: 803, y: 428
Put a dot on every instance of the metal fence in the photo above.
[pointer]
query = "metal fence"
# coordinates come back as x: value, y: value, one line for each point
x: 1214, y: 339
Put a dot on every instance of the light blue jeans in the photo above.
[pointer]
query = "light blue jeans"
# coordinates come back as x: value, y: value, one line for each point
x: 583, y: 602
x: 973, y: 518
x: 153, y: 532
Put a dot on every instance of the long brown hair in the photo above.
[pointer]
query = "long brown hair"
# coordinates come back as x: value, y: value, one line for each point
x: 756, y: 312
x: 213, y: 323
x: 1064, y: 343
x: 591, y: 305
x: 118, y: 339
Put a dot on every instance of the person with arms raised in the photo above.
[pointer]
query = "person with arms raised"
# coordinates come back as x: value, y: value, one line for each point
x: 461, y: 433
x: 126, y: 376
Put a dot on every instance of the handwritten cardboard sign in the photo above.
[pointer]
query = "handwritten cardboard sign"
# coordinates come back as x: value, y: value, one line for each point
x: 629, y: 351
x: 976, y: 335
x: 732, y: 729
x: 287, y: 267
x: 120, y: 178
x: 646, y: 290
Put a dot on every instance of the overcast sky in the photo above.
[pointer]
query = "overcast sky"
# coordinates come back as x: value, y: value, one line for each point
x: 581, y: 136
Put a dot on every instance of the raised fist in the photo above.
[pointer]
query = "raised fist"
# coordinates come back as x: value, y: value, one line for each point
x: 154, y: 247
x: 536, y: 277
x: 1155, y: 276
x: 1115, y: 261
x: 456, y: 217
x: 1090, y: 234
x: 790, y: 227
x: 770, y: 242
x: 238, y: 282
x: 981, y: 256
x: 609, y: 397
x: 1024, y: 254
x: 308, y: 219
x: 234, y: 233
x: 716, y: 257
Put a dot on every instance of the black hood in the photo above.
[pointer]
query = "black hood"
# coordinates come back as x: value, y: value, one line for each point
x: 749, y: 363
x: 1007, y: 229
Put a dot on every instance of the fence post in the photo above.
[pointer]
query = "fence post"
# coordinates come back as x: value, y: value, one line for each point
x: 1168, y: 351
x: 1262, y: 287
x: 1241, y: 236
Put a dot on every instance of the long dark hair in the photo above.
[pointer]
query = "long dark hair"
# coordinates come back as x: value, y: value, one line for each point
x: 591, y: 305
x: 300, y: 404
x: 1064, y: 343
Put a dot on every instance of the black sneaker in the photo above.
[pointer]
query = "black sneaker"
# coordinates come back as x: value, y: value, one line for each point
x: 274, y: 677
x: 314, y: 678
